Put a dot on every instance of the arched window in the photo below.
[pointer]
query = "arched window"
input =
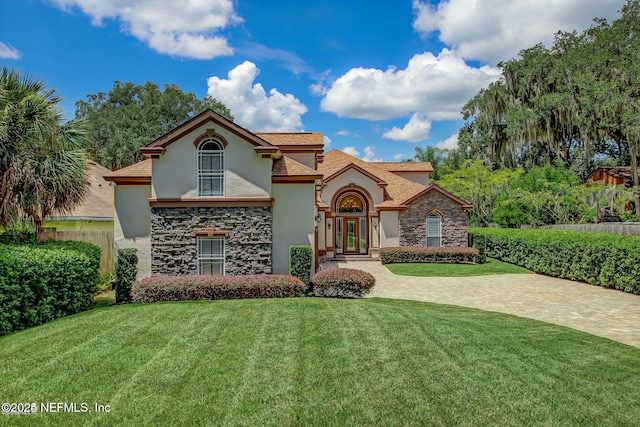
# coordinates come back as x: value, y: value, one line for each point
x: 434, y: 230
x: 351, y: 204
x: 210, y: 168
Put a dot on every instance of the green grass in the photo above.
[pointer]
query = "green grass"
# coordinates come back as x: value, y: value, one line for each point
x: 492, y: 266
x: 311, y: 361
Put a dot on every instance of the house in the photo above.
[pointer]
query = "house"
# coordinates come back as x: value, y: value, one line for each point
x: 215, y: 198
x: 95, y: 212
x: 613, y: 175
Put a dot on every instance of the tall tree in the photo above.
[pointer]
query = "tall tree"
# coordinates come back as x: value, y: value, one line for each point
x: 433, y: 155
x: 130, y: 116
x: 42, y: 162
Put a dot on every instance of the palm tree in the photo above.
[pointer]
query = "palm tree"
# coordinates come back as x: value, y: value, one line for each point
x: 43, y: 165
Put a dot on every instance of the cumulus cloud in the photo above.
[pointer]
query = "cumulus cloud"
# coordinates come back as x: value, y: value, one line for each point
x: 343, y: 132
x: 370, y: 154
x: 496, y: 30
x: 398, y: 157
x: 9, y: 52
x: 435, y: 86
x: 351, y: 151
x: 450, y: 143
x: 186, y: 28
x: 415, y: 131
x: 326, y: 140
x: 251, y: 106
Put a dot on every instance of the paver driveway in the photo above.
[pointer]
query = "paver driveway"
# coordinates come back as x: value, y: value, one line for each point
x: 604, y: 312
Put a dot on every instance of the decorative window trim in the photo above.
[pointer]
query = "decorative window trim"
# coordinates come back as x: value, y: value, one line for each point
x: 352, y: 194
x: 211, y: 232
x: 214, y: 175
x: 210, y: 258
x: 433, y: 215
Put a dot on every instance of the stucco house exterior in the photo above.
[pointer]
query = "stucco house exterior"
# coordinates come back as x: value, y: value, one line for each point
x: 215, y: 198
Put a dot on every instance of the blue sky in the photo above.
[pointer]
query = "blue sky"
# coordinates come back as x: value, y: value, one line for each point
x: 378, y: 78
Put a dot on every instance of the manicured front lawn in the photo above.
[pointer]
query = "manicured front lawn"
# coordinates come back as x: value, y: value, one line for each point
x: 492, y: 266
x: 318, y: 362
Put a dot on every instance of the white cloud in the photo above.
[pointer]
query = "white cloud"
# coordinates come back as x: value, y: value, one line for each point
x: 450, y: 143
x: 326, y: 140
x: 370, y: 154
x: 496, y: 30
x: 251, y: 106
x: 321, y: 87
x: 184, y: 28
x: 398, y: 157
x: 343, y: 132
x: 351, y: 151
x: 415, y: 131
x: 435, y: 86
x: 9, y: 52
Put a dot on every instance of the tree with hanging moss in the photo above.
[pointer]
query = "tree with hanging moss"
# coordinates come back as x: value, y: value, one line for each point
x: 43, y: 165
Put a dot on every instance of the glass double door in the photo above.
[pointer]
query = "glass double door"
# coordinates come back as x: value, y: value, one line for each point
x: 351, y: 235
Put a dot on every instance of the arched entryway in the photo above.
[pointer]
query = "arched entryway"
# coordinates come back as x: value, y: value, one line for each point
x: 351, y: 223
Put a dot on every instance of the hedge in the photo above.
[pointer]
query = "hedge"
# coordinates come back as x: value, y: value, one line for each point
x: 188, y: 288
x: 41, y: 282
x: 454, y: 255
x: 301, y: 262
x: 602, y: 259
x: 342, y: 283
x: 125, y: 274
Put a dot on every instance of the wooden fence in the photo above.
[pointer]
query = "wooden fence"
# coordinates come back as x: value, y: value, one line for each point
x: 628, y: 228
x: 101, y: 238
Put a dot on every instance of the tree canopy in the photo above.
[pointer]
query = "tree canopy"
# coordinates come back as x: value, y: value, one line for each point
x: 130, y: 116
x: 43, y: 164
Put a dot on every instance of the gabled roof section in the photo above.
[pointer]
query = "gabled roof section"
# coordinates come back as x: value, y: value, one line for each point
x: 397, y: 190
x: 285, y: 169
x: 138, y: 173
x: 161, y: 143
x: 405, y: 166
x: 434, y: 187
x: 292, y: 138
x: 376, y: 179
x: 99, y: 201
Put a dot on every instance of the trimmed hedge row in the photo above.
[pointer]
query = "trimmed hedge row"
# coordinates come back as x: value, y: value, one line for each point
x: 597, y: 258
x: 41, y: 282
x: 188, y: 288
x: 342, y: 283
x: 455, y: 255
x: 301, y: 262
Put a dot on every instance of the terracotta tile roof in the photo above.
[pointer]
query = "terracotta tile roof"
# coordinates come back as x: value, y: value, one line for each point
x: 405, y: 166
x: 398, y: 189
x: 287, y: 167
x: 291, y: 138
x: 99, y: 201
x: 137, y: 171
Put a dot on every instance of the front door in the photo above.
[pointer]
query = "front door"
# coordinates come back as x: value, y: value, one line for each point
x: 351, y: 235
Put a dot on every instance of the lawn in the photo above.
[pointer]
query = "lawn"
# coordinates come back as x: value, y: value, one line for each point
x: 492, y: 266
x: 311, y: 361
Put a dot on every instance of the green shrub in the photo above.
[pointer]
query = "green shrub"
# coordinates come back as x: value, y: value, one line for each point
x: 125, y: 274
x: 301, y: 262
x: 41, y: 282
x: 342, y: 283
x: 479, y: 241
x: 603, y: 259
x: 188, y: 288
x: 454, y: 255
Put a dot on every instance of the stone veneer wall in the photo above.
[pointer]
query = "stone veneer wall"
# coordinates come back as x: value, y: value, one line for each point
x: 412, y: 221
x: 248, y: 248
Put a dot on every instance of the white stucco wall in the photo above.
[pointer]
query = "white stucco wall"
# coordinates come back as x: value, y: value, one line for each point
x: 132, y: 223
x: 419, y: 177
x: 352, y: 176
x: 293, y: 221
x: 389, y: 230
x: 175, y: 174
x: 307, y: 159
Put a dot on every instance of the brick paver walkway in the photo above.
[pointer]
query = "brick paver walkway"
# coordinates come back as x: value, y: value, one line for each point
x: 599, y: 311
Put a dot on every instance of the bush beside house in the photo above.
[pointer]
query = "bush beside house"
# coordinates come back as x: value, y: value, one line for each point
x: 342, y: 283
x: 596, y: 258
x: 301, y: 262
x: 125, y: 275
x: 188, y: 288
x: 41, y: 282
x: 448, y: 255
